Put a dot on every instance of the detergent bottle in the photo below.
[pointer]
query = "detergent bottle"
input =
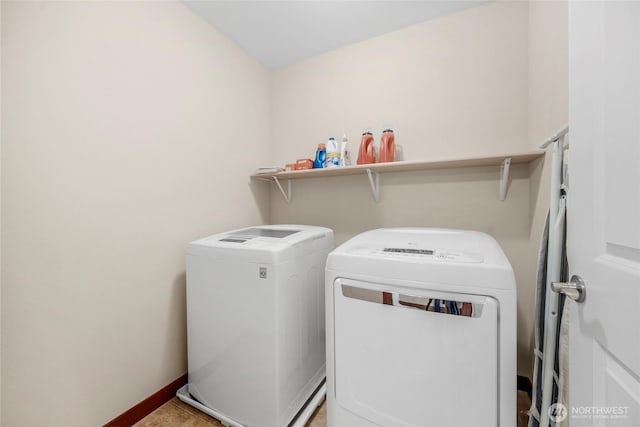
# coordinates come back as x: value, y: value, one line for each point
x: 333, y: 153
x: 321, y: 155
x: 387, y: 151
x: 366, y: 154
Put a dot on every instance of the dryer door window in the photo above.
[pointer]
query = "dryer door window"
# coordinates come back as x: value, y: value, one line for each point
x: 398, y: 362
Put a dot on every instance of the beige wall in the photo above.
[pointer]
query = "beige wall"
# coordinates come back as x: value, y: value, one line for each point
x: 0, y: 218
x: 455, y: 86
x: 129, y: 129
x: 548, y: 95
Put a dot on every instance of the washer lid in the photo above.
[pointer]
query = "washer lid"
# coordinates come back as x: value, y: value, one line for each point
x: 276, y: 233
x: 262, y: 236
x: 265, y: 243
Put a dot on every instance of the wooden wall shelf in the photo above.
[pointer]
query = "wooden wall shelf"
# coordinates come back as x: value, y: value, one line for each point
x: 373, y: 170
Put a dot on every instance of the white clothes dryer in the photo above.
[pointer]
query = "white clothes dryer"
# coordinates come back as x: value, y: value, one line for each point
x: 421, y: 330
x: 255, y: 323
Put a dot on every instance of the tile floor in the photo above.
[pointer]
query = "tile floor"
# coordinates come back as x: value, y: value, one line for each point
x: 175, y: 413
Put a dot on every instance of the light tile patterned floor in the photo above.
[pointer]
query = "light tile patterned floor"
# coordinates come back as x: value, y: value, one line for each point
x: 176, y: 413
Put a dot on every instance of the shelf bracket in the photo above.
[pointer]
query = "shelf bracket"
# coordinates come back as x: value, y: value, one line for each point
x: 504, y: 178
x: 287, y: 194
x: 375, y: 183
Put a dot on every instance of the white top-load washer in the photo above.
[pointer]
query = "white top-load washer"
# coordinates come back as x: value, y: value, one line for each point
x: 421, y: 330
x: 255, y: 322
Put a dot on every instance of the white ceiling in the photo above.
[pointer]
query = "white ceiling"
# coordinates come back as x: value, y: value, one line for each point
x: 278, y: 33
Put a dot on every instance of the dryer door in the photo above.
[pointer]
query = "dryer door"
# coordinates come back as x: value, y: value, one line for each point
x: 399, y: 362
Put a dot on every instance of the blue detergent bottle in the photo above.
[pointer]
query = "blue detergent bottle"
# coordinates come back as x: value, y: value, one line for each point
x: 321, y: 156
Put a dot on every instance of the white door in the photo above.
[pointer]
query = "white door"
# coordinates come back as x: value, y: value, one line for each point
x: 604, y: 212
